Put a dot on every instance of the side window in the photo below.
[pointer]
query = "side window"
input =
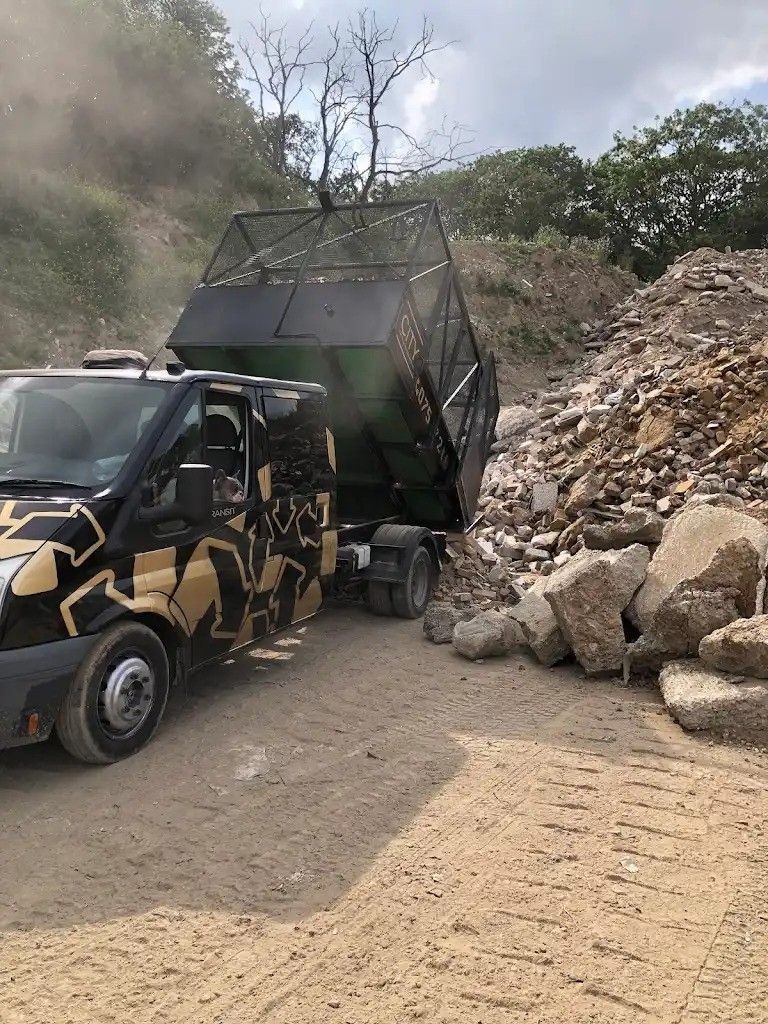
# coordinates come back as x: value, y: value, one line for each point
x: 185, y: 446
x: 298, y: 446
x: 227, y: 426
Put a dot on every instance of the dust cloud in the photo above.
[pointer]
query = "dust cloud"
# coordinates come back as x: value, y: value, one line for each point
x: 93, y: 86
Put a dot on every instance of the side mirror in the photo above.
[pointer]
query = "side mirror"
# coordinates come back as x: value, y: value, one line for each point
x: 194, y: 493
x: 194, y: 498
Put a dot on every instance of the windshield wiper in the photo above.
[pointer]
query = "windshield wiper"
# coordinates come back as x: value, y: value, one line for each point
x: 22, y: 481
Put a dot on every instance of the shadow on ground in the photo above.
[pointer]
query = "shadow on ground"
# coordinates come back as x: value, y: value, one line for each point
x: 276, y: 779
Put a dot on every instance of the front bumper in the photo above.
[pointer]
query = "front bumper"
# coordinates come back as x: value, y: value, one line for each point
x: 34, y: 680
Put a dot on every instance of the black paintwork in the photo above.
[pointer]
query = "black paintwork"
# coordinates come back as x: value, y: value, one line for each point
x: 36, y: 679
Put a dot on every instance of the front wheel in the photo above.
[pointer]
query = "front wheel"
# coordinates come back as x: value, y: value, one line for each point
x: 411, y: 597
x: 117, y: 698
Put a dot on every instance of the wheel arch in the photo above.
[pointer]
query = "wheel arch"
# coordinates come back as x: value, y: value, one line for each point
x: 172, y: 636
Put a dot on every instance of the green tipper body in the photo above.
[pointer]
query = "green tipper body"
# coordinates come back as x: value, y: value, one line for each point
x: 411, y: 406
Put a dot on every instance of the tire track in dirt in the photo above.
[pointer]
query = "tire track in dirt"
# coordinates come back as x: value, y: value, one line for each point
x: 432, y: 840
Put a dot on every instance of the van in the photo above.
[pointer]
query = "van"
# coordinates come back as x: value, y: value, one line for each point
x: 150, y: 523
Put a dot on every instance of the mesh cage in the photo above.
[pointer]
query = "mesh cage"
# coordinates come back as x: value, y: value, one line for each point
x: 375, y: 241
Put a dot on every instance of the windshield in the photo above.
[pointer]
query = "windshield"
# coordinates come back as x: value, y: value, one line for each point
x: 76, y: 431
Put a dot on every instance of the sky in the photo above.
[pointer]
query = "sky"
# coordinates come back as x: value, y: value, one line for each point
x: 529, y: 72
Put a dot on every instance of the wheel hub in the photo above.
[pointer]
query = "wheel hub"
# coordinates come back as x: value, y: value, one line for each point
x: 127, y: 695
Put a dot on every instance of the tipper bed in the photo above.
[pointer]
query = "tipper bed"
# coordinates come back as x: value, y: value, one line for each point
x: 365, y: 300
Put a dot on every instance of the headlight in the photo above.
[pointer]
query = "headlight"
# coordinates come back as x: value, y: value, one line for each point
x: 8, y: 569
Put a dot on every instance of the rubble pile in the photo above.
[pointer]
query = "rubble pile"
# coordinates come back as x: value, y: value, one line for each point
x: 624, y: 513
x: 670, y: 402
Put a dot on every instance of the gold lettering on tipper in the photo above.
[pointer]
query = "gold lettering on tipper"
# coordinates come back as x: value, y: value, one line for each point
x: 408, y: 339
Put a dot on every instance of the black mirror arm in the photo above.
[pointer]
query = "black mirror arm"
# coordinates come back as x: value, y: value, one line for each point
x: 161, y: 513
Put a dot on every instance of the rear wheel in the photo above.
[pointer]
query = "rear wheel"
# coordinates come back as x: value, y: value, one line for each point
x: 411, y: 597
x: 117, y: 698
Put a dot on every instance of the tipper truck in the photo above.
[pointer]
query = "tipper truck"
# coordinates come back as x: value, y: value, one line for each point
x: 153, y: 521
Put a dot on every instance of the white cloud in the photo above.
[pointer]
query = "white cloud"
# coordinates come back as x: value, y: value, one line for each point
x: 738, y: 79
x: 421, y: 98
x: 525, y: 72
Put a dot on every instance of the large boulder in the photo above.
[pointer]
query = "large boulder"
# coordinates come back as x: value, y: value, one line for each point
x: 700, y: 697
x: 710, y: 548
x: 440, y: 619
x: 739, y: 647
x: 588, y: 595
x: 645, y: 656
x: 688, y: 614
x: 540, y: 628
x: 487, y: 635
x: 514, y: 421
x: 638, y: 526
x: 586, y: 490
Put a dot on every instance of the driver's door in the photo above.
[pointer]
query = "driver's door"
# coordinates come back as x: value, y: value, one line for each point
x: 214, y: 578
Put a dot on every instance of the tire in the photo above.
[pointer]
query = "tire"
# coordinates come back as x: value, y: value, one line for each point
x: 379, y: 597
x: 410, y: 598
x: 379, y: 594
x: 116, y: 700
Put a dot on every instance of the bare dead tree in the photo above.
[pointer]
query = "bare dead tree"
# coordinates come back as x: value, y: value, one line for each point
x: 278, y: 68
x: 390, y: 151
x: 338, y: 102
x: 351, y: 86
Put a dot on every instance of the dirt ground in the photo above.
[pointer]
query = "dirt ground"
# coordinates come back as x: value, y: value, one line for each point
x: 352, y: 825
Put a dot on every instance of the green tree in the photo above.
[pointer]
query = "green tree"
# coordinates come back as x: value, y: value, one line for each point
x: 133, y: 92
x: 516, y: 192
x: 207, y: 27
x: 697, y: 177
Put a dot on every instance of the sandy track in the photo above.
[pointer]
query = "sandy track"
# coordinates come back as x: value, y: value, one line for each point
x: 353, y: 825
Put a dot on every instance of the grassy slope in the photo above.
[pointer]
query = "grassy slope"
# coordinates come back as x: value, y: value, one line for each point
x: 529, y: 303
x: 82, y: 266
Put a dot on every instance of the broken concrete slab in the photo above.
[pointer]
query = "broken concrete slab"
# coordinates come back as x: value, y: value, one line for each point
x: 440, y: 620
x: 700, y: 697
x: 711, y: 548
x: 741, y: 647
x: 588, y: 595
x: 688, y: 615
x: 514, y: 421
x: 645, y: 656
x: 637, y: 526
x: 543, y: 496
x: 487, y: 635
x: 540, y: 628
x: 586, y: 490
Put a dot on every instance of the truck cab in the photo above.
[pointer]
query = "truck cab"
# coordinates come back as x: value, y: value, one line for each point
x: 150, y: 522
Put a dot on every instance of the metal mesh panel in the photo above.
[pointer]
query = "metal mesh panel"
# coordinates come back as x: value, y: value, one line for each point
x: 426, y: 291
x: 376, y: 242
x: 451, y: 352
x: 349, y: 250
x: 465, y: 359
x: 279, y: 242
x: 431, y: 250
x: 231, y: 258
x: 454, y: 414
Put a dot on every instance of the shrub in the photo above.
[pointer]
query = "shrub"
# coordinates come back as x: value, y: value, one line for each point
x: 63, y: 243
x: 598, y: 249
x: 549, y: 237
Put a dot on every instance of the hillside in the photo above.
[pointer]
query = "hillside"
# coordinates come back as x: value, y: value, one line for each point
x: 61, y: 294
x: 533, y: 303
